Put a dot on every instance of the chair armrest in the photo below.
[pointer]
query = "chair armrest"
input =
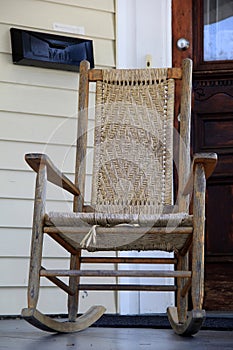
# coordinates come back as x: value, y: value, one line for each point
x: 35, y: 160
x: 209, y: 161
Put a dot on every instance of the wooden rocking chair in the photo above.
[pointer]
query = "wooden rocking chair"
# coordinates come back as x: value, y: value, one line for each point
x: 132, y: 205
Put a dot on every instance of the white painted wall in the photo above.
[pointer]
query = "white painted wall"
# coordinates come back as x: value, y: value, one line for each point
x: 144, y: 28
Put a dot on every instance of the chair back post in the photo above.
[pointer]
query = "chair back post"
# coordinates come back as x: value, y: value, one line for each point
x: 80, y: 167
x: 185, y: 127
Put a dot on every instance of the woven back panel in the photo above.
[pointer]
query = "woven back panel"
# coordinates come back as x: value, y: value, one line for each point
x: 133, y: 142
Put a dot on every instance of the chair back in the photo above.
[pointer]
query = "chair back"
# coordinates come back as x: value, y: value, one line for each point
x: 133, y: 139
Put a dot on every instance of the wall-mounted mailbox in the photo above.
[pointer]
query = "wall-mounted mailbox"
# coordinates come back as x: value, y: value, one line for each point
x: 49, y: 50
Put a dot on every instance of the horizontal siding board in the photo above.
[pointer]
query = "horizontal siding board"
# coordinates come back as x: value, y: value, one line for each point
x: 104, y: 53
x: 51, y: 78
x: 15, y: 242
x: 12, y: 156
x: 53, y: 130
x: 29, y: 127
x: 31, y: 99
x: 37, y: 14
x: 101, y: 5
x: 17, y: 270
x: 21, y: 185
x: 63, y: 157
x: 18, y: 212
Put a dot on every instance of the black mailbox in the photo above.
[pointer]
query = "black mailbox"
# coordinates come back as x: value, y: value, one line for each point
x: 49, y: 50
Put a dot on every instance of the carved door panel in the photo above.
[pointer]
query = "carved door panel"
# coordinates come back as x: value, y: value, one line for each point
x: 211, y: 47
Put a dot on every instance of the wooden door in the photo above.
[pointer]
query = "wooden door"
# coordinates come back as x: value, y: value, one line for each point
x: 208, y: 26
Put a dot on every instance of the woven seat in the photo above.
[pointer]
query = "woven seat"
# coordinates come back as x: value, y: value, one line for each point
x: 137, y: 201
x: 116, y: 232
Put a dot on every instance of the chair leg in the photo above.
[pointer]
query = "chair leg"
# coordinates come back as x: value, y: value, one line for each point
x: 37, y: 238
x: 182, y: 299
x: 197, y: 315
x: 73, y: 284
x: 198, y: 237
x: 46, y: 323
x: 31, y: 314
x: 35, y: 266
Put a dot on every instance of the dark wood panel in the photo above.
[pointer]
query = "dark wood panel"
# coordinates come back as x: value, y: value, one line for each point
x: 213, y: 95
x: 218, y: 286
x: 224, y: 168
x: 215, y: 131
x: 219, y: 227
x: 218, y: 133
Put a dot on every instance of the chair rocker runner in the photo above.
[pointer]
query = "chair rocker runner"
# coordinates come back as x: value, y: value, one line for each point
x: 132, y: 206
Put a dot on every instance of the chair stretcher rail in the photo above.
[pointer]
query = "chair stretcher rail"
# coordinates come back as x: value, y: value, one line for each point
x: 109, y: 273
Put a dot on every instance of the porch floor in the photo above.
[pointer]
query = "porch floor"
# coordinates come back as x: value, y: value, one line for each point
x: 17, y: 334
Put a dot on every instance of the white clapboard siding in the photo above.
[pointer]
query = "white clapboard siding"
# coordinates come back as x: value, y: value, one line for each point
x: 22, y: 249
x: 38, y: 110
x: 21, y: 184
x: 41, y: 15
x: 18, y: 212
x: 104, y: 52
x: 102, y: 5
x: 40, y: 100
x: 62, y: 156
x: 58, y: 130
x: 22, y: 75
x: 12, y: 155
x: 58, y: 79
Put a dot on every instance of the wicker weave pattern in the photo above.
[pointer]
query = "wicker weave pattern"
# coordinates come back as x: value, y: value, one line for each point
x: 133, y: 142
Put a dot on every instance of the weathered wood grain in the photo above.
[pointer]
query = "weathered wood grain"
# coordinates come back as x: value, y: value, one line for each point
x: 80, y: 167
x: 96, y: 74
x: 182, y: 300
x: 185, y: 129
x: 37, y: 237
x: 73, y: 285
x: 198, y: 236
x: 49, y: 324
x: 126, y: 260
x: 37, y: 160
x: 172, y: 230
x: 128, y: 287
x: 115, y: 273
x: 208, y: 160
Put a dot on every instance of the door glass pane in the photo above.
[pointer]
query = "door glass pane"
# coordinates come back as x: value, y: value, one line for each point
x: 218, y: 30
